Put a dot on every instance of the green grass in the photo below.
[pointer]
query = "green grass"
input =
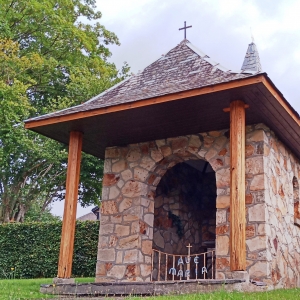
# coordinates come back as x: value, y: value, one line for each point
x: 293, y: 294
x: 17, y: 289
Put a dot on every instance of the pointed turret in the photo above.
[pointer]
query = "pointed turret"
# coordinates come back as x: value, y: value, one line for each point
x: 251, y: 61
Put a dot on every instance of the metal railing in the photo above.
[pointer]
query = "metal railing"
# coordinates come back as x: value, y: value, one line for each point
x: 173, y: 267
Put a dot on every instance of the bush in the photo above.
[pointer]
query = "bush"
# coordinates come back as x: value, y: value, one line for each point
x: 31, y: 250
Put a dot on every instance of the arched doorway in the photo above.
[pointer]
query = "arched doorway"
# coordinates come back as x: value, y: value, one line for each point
x: 184, y: 213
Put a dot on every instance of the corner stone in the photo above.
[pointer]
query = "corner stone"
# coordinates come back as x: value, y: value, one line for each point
x: 222, y: 245
x: 257, y: 213
x: 117, y: 272
x: 260, y: 269
x: 223, y: 201
x: 258, y: 183
x: 259, y: 242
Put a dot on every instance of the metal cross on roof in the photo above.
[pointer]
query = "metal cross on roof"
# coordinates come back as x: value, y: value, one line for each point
x: 185, y: 28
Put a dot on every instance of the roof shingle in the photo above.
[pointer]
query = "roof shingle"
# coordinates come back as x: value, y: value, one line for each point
x: 183, y: 68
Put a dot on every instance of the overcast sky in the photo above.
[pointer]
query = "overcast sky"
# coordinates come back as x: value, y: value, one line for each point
x: 220, y: 28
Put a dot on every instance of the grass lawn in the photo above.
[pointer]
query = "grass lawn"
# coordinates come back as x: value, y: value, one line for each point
x: 293, y: 294
x: 16, y: 289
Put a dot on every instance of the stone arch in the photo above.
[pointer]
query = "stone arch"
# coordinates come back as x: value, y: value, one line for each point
x: 184, y: 212
x: 212, y: 147
x: 296, y: 201
x: 213, y: 150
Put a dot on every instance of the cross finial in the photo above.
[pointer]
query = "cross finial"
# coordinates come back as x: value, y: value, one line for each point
x: 185, y: 28
x: 252, y: 35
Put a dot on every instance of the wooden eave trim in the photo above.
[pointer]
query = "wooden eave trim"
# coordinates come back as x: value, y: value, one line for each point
x: 156, y: 100
x: 280, y: 100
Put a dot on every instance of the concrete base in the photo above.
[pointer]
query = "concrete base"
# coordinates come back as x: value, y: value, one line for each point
x: 57, y: 280
x: 149, y: 288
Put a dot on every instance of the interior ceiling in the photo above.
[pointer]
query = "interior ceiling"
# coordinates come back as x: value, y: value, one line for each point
x: 179, y: 117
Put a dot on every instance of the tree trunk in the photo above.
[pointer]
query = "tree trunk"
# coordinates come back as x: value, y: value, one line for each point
x: 6, y: 216
x: 21, y: 213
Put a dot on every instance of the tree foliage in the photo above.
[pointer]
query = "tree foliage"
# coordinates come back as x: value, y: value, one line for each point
x: 53, y: 54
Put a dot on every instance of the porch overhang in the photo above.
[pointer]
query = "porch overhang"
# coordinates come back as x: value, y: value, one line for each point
x: 187, y: 112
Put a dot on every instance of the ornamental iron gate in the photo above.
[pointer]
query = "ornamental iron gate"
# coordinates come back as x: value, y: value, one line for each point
x: 171, y: 267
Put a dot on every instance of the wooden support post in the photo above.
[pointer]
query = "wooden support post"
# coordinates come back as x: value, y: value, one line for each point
x: 237, y: 187
x: 69, y: 219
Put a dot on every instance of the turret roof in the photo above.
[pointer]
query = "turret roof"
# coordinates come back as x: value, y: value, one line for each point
x: 252, y: 61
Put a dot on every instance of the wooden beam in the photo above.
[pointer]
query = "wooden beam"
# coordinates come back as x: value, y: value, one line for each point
x: 69, y: 218
x: 237, y: 187
x: 146, y: 102
x: 227, y: 109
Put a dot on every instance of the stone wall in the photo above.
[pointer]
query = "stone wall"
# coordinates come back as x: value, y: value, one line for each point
x: 184, y: 210
x: 281, y: 177
x: 132, y: 174
x: 256, y: 239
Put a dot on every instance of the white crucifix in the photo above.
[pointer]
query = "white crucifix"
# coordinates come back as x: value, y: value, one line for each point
x: 188, y: 265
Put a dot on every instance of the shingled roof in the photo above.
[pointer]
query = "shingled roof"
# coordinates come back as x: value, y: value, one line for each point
x: 183, y: 92
x: 183, y: 68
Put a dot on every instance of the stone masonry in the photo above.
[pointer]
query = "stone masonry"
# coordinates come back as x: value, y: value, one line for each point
x: 133, y: 173
x: 281, y: 200
x: 190, y: 196
x: 184, y: 213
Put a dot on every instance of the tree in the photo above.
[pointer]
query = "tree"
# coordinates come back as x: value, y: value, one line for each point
x: 49, y: 59
x: 35, y: 214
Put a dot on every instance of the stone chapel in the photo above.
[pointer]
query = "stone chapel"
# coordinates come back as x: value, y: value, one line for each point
x: 198, y: 159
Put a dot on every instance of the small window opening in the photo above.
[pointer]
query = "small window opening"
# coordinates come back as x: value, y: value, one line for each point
x: 296, y: 202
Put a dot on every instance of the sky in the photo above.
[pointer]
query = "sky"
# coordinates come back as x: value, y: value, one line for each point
x: 220, y: 28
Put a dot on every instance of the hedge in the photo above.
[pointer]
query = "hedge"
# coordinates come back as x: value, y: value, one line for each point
x: 31, y: 250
